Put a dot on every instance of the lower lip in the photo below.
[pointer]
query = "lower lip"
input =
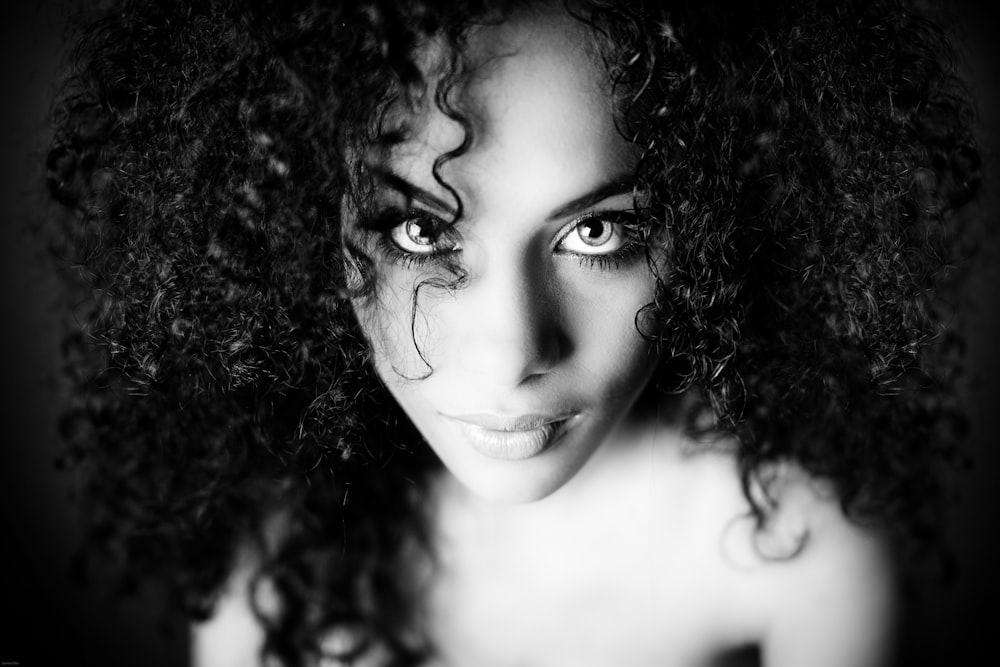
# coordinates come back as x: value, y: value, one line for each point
x: 512, y: 445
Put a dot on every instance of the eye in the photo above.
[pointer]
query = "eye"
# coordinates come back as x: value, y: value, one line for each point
x: 596, y: 234
x: 419, y: 234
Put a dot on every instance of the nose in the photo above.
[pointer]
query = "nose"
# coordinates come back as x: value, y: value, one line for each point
x: 511, y: 330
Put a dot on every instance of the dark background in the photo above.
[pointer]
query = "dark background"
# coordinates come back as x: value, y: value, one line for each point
x: 49, y: 619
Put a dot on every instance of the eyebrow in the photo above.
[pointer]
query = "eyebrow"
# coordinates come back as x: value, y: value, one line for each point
x: 414, y: 192
x: 616, y: 186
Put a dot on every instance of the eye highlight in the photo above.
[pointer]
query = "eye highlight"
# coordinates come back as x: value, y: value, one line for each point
x: 592, y: 235
x: 416, y: 235
x: 602, y: 237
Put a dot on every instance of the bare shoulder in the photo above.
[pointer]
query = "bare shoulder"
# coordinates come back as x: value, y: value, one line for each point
x: 805, y: 514
x: 806, y: 583
x: 829, y: 592
x: 232, y: 636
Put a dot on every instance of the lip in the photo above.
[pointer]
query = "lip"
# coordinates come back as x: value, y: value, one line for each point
x: 511, y: 438
x: 493, y: 422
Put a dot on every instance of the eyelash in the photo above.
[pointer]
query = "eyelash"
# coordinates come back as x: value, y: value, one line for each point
x: 629, y: 251
x: 396, y: 255
x: 383, y: 225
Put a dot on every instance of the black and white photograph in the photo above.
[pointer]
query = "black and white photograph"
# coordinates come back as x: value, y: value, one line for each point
x: 500, y: 333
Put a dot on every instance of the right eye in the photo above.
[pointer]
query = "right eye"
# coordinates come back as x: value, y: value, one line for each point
x: 421, y: 234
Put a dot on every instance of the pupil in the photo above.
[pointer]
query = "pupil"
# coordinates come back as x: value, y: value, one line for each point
x: 594, y: 232
x: 415, y: 230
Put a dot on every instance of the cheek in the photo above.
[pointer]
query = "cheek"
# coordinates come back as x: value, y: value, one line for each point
x: 376, y: 316
x: 393, y: 328
x: 597, y: 313
x: 603, y: 316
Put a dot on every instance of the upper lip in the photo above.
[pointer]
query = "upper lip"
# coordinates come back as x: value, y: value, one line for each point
x: 492, y: 422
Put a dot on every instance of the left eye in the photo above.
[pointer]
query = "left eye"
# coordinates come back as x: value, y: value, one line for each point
x: 594, y: 235
x: 418, y: 234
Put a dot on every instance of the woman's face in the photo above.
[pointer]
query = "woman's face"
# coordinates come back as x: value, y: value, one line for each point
x: 518, y: 375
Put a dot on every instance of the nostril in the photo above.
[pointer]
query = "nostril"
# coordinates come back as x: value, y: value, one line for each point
x: 552, y: 347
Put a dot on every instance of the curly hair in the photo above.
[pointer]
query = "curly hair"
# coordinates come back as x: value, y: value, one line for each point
x: 805, y: 159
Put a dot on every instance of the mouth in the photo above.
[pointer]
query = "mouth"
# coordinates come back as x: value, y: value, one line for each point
x: 511, y: 438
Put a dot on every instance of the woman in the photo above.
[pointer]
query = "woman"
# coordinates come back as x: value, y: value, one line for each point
x: 544, y: 333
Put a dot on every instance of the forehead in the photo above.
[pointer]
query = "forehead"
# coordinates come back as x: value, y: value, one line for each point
x: 531, y: 67
x: 536, y: 100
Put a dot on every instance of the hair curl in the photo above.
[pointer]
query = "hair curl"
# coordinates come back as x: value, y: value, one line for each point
x: 805, y: 158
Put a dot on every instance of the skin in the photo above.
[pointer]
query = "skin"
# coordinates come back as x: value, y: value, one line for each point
x: 539, y: 328
x: 535, y: 330
x: 621, y: 541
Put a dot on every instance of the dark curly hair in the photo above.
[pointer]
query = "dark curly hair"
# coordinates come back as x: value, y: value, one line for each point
x: 806, y: 159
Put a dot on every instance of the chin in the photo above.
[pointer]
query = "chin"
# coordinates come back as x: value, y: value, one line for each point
x: 515, y: 482
x: 512, y: 492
